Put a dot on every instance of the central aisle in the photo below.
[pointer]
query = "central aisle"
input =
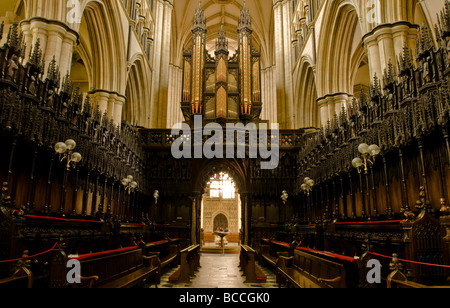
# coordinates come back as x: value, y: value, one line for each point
x: 219, y: 271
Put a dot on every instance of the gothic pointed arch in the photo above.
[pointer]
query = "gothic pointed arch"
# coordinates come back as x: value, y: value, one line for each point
x: 101, y: 33
x: 305, y: 108
x: 339, y: 38
x: 135, y: 109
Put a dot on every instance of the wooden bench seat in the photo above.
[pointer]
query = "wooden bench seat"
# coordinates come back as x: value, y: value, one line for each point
x: 270, y: 251
x: 121, y: 268
x: 189, y: 264
x: 305, y: 270
x: 166, y: 252
x: 247, y: 263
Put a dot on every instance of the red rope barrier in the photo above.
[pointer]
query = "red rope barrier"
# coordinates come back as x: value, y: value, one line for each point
x: 408, y: 261
x: 33, y: 256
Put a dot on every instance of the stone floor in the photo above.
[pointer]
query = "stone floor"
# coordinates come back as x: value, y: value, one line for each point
x: 219, y: 271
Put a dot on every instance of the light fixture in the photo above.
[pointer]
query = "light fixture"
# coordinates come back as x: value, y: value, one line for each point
x: 129, y: 183
x: 66, y: 153
x: 308, y: 185
x: 156, y: 196
x: 369, y: 154
x: 284, y: 196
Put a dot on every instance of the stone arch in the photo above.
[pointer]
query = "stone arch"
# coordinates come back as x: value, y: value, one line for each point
x: 339, y: 58
x: 135, y: 109
x: 337, y: 43
x: 220, y: 220
x: 105, y: 42
x: 305, y: 109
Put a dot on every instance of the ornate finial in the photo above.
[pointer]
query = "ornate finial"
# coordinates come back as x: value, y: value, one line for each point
x: 105, y: 119
x: 2, y: 26
x: 87, y: 107
x: 395, y: 264
x: 424, y: 42
x: 222, y: 42
x: 199, y: 19
x: 67, y: 84
x: 422, y: 202
x: 24, y: 262
x: 53, y: 73
x: 445, y: 209
x: 389, y: 75
x: 13, y: 40
x: 405, y: 60
x: 36, y: 55
x: 5, y: 200
x: 374, y: 89
x: 444, y: 20
x: 245, y: 21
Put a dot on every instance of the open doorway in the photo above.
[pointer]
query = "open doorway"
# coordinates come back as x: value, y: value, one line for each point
x: 220, y: 213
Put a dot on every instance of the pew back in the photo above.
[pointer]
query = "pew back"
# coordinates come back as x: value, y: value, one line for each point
x: 121, y: 268
x: 309, y: 271
x: 189, y: 263
x: 252, y: 271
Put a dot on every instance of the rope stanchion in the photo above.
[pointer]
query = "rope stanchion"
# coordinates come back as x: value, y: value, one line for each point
x: 33, y: 256
x: 408, y: 261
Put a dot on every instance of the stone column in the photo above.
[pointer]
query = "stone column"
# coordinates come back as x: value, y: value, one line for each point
x: 111, y: 102
x: 174, y: 114
x: 386, y: 42
x: 56, y: 40
x: 283, y: 54
x: 161, y: 61
x: 101, y: 99
x: 331, y: 104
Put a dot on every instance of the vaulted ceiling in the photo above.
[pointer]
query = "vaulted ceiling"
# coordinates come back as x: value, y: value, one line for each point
x: 224, y: 12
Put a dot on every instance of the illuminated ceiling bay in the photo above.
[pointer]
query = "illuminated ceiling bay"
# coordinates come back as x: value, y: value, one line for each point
x: 224, y: 12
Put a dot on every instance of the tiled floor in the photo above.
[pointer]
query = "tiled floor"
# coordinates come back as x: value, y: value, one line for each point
x: 219, y: 271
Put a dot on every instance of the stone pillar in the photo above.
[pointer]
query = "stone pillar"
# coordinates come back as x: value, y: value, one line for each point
x: 161, y: 61
x: 386, y: 42
x: 331, y: 104
x: 111, y: 102
x: 174, y: 114
x: 119, y: 102
x: 269, y: 95
x: 56, y: 40
x: 283, y: 55
x: 100, y: 98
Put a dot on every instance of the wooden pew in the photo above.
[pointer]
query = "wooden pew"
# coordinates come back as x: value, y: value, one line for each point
x: 398, y: 280
x: 121, y: 268
x: 305, y: 270
x: 247, y: 263
x: 165, y: 252
x: 270, y: 251
x: 189, y: 263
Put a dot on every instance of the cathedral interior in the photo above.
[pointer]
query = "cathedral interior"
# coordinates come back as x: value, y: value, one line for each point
x: 136, y: 139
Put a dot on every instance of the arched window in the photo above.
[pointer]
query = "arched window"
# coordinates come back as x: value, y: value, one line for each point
x: 222, y: 186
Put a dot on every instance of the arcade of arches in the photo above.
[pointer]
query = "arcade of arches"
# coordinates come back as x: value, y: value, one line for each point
x: 354, y: 94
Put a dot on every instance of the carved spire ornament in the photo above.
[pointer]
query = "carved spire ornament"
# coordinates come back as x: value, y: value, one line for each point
x: 199, y: 19
x: 245, y: 21
x: 222, y: 41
